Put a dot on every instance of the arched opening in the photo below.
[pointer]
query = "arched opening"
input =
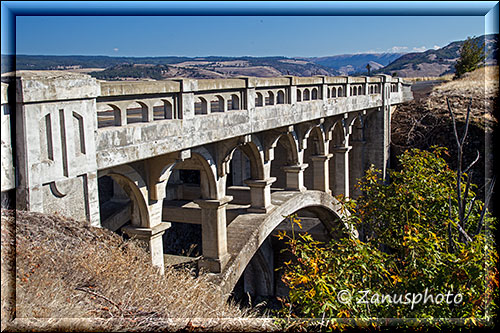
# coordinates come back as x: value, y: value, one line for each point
x: 187, y: 181
x: 334, y: 92
x: 360, y: 90
x: 200, y: 106
x: 285, y: 154
x: 233, y: 103
x: 259, y: 100
x: 314, y: 94
x: 261, y: 279
x: 270, y: 98
x: 280, y: 98
x: 163, y: 110
x: 137, y: 112
x: 299, y: 95
x: 340, y: 92
x: 217, y: 104
x: 336, y: 176
x: 108, y: 116
x: 315, y: 146
x: 306, y: 95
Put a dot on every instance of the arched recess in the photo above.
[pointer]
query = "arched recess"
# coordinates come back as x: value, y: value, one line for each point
x: 315, y: 147
x: 286, y: 153
x: 340, y: 92
x: 134, y: 186
x: 334, y: 92
x: 299, y: 95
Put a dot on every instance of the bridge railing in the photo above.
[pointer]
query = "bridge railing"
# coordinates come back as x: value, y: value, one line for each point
x: 122, y: 103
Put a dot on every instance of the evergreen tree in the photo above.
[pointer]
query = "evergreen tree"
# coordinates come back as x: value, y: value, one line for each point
x: 472, y: 56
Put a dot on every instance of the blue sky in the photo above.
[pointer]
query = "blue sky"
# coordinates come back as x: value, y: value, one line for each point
x: 238, y: 35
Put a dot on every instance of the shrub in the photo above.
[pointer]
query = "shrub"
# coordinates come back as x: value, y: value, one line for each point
x: 409, y: 245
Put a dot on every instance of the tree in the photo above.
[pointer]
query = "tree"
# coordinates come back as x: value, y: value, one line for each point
x: 425, y: 233
x: 472, y: 56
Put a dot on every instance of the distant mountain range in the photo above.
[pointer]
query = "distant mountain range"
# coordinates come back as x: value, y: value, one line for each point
x: 429, y: 63
x: 346, y: 64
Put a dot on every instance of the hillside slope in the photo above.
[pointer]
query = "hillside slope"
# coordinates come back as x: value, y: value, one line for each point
x: 67, y: 269
x: 440, y: 61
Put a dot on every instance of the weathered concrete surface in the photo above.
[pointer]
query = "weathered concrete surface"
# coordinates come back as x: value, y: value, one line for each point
x: 8, y: 172
x: 247, y: 232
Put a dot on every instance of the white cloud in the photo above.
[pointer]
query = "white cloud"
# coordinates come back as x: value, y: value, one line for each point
x: 436, y: 47
x: 419, y: 49
x: 398, y: 49
x: 116, y: 49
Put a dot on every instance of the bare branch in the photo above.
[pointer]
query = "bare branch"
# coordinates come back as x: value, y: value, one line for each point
x: 467, y: 121
x: 472, y: 164
x: 453, y: 121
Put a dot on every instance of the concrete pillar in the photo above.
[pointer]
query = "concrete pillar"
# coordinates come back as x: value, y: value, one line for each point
x: 321, y: 173
x: 214, y: 235
x: 341, y: 184
x: 295, y: 177
x: 356, y: 165
x: 187, y: 99
x: 260, y: 194
x: 153, y: 237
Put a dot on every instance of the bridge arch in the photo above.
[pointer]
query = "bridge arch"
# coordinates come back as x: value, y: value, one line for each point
x: 256, y: 229
x: 135, y: 187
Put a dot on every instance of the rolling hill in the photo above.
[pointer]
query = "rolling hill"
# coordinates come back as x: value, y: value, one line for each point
x: 438, y: 62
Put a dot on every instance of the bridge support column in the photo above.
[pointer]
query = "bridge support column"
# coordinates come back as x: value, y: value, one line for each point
x: 260, y: 194
x: 214, y: 236
x: 321, y: 173
x: 153, y: 237
x: 295, y: 177
x: 341, y: 184
x: 356, y: 166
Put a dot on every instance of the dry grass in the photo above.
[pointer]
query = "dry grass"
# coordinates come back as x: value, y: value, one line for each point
x: 86, y: 278
x: 483, y: 81
x: 444, y: 78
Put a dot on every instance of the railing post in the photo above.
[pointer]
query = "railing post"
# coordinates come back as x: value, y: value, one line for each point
x: 292, y: 89
x: 187, y: 99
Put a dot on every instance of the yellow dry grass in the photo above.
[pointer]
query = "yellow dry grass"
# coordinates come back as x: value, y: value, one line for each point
x: 482, y: 81
x: 71, y: 276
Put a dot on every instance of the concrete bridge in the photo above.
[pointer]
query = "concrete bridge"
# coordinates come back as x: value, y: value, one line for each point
x: 233, y: 155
